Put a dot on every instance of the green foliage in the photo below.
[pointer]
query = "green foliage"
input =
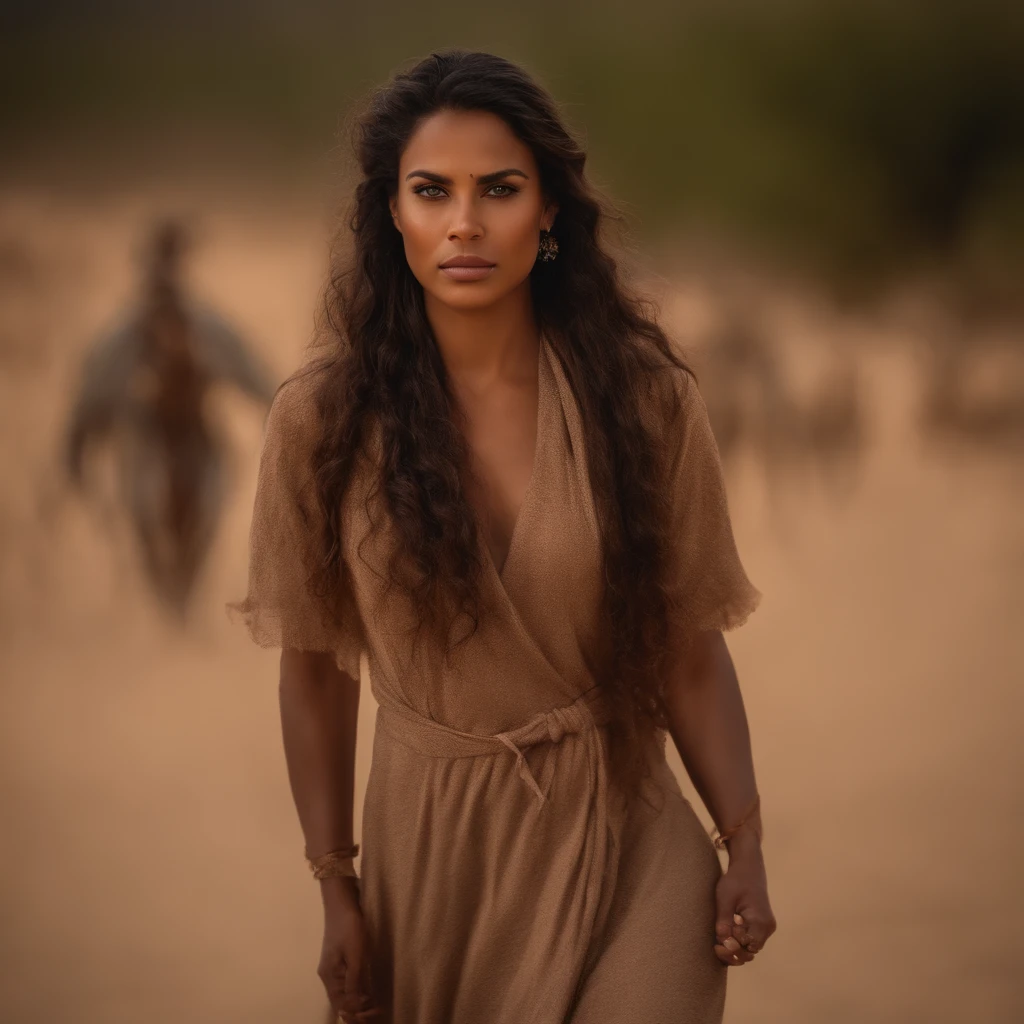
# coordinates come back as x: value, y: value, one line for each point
x: 860, y: 137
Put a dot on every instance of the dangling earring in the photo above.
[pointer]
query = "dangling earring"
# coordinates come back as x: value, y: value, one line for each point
x: 548, y: 249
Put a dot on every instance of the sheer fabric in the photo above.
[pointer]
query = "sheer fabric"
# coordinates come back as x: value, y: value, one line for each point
x: 500, y: 881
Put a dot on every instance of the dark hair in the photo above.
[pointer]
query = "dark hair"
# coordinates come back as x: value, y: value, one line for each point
x: 382, y: 366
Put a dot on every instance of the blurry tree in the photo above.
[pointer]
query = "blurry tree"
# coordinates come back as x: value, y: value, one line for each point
x: 863, y: 138
x: 865, y: 143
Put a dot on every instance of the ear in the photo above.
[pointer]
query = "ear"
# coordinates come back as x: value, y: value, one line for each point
x: 550, y: 212
x: 393, y: 207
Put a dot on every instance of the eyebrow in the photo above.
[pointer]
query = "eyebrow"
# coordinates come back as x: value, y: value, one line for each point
x: 484, y: 179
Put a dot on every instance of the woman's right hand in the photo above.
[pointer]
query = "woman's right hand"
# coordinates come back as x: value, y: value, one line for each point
x: 344, y: 959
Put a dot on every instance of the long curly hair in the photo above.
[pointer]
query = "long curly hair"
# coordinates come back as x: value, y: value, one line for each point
x: 380, y: 366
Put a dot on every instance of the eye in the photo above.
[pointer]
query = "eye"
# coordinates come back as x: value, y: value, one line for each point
x: 511, y: 190
x: 422, y: 190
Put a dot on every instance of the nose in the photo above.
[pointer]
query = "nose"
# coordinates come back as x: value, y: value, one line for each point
x: 465, y: 223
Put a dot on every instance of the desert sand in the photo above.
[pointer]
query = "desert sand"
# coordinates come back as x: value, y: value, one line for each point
x: 150, y: 858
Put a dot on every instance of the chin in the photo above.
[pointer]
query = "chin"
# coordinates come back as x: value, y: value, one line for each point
x: 481, y: 300
x: 466, y: 296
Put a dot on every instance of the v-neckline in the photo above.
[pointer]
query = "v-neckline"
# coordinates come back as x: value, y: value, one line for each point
x: 501, y: 574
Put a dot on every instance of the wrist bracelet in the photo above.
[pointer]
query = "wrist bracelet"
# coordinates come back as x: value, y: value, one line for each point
x: 335, y: 864
x: 721, y: 837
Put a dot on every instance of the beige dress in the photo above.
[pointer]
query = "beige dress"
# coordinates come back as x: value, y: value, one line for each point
x: 500, y: 882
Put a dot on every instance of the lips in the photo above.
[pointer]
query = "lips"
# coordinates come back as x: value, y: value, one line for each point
x: 467, y: 268
x: 466, y: 261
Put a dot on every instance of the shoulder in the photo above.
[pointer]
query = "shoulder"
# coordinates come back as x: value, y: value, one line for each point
x: 294, y: 418
x: 290, y: 435
x: 675, y: 399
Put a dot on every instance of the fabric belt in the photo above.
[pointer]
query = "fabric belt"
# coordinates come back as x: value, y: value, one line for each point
x: 432, y: 739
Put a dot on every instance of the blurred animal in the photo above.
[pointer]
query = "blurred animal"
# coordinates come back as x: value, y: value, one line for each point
x: 752, y: 404
x: 144, y: 388
x: 953, y: 410
x: 744, y: 389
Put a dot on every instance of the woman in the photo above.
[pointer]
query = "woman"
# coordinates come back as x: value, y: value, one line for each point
x: 500, y: 483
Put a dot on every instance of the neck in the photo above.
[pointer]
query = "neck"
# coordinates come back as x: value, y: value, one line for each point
x: 483, y: 347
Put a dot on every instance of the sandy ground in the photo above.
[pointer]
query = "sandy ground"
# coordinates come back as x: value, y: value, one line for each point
x: 150, y: 858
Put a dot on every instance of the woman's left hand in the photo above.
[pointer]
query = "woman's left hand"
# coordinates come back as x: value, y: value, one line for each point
x: 744, y: 919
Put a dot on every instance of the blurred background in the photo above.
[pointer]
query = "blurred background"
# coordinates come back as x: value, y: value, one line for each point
x: 827, y: 200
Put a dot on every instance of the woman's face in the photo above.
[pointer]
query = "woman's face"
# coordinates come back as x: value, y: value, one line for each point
x: 468, y: 187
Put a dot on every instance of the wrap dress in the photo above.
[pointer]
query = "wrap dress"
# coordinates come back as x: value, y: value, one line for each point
x: 500, y: 881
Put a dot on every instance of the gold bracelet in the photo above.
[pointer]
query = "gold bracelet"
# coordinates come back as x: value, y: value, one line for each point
x: 335, y: 864
x: 721, y: 837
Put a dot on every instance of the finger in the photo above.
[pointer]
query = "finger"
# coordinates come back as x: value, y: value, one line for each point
x: 334, y: 984
x: 343, y: 1002
x: 732, y: 958
x: 756, y: 932
x: 757, y: 926
x: 736, y: 950
x: 353, y: 1003
x: 355, y: 972
x: 354, y: 1016
x: 723, y: 925
x: 356, y: 997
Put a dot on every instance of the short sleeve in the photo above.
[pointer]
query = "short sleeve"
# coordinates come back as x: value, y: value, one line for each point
x: 707, y: 585
x: 282, y: 607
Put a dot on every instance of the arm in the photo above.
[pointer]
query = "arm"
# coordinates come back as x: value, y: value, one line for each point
x: 708, y: 725
x: 709, y: 592
x: 319, y: 672
x: 319, y: 713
